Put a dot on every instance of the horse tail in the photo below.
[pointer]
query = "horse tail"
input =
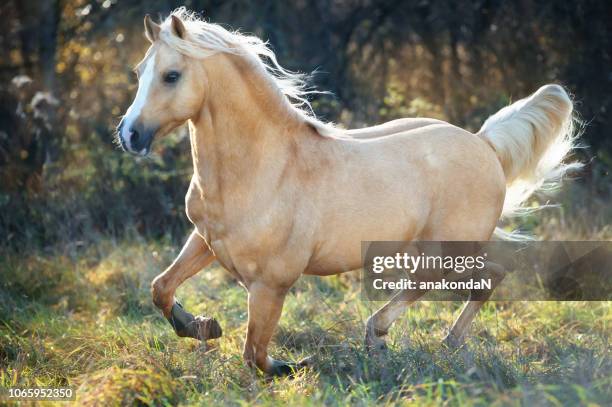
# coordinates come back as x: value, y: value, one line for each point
x: 532, y: 137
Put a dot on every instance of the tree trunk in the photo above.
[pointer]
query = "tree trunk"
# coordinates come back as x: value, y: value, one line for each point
x: 48, y: 27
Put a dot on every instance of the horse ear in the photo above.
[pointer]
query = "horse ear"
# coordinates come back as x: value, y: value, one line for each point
x: 151, y: 29
x: 178, y: 27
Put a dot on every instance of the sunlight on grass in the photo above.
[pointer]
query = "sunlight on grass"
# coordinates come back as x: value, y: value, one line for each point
x: 87, y: 321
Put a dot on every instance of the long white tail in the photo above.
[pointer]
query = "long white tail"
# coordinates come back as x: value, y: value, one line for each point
x: 532, y: 137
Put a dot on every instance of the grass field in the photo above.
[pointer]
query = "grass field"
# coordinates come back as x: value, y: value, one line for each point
x: 83, y: 317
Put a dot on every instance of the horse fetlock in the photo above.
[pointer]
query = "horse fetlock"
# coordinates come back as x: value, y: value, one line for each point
x: 375, y: 345
x: 249, y: 359
x: 186, y: 325
x: 374, y: 338
x: 373, y: 329
x: 452, y: 340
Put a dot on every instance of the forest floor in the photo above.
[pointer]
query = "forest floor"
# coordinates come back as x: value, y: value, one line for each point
x: 82, y: 316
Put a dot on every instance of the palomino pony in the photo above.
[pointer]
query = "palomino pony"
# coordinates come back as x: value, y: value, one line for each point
x: 276, y: 193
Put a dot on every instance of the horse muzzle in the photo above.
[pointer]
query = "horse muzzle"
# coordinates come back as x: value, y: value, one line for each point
x: 136, y: 138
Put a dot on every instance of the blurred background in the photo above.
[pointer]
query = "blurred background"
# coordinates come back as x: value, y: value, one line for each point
x: 65, y: 79
x: 84, y: 227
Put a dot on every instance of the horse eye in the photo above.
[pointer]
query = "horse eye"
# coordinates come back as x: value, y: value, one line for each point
x: 172, y: 76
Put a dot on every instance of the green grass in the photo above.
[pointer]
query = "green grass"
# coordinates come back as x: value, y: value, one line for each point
x: 83, y: 317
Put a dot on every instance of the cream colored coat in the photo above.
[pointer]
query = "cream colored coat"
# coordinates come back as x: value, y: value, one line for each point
x: 276, y: 194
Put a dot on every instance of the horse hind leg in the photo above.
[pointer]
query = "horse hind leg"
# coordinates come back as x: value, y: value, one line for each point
x: 476, y: 300
x: 379, y: 323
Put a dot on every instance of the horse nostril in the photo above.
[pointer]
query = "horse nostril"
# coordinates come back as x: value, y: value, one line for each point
x: 134, y: 137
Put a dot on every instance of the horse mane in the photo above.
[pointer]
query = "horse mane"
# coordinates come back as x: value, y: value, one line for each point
x: 205, y: 39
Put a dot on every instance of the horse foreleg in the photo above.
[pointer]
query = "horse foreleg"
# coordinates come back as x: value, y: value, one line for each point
x: 265, y: 308
x: 194, y: 256
x: 475, y: 302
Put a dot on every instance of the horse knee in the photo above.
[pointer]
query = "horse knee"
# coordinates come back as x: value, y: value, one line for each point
x: 161, y: 297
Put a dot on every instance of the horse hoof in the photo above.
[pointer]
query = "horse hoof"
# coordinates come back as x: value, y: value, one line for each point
x: 187, y: 326
x: 289, y: 369
x: 205, y: 328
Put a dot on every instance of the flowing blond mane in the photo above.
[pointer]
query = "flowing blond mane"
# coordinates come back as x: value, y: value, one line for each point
x: 205, y: 39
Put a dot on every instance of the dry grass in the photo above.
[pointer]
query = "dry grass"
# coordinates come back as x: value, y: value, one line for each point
x: 86, y: 319
x: 81, y: 315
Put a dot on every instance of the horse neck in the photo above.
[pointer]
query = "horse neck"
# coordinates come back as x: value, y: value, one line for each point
x: 241, y: 139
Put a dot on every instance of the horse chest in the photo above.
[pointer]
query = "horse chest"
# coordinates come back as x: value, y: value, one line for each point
x: 250, y: 237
